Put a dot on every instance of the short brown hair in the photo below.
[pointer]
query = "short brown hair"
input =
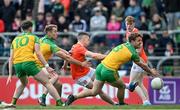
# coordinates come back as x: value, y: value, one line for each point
x: 26, y: 25
x: 130, y: 19
x: 81, y: 34
x: 133, y: 36
x: 49, y: 27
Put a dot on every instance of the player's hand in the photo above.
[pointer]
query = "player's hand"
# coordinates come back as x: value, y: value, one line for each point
x: 49, y: 69
x: 155, y: 72
x: 86, y: 64
x: 8, y: 80
x: 64, y: 67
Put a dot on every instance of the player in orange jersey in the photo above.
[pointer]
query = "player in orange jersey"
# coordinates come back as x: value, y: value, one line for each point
x: 137, y: 72
x: 85, y: 76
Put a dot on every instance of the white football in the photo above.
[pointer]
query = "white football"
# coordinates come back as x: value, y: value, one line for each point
x: 157, y: 83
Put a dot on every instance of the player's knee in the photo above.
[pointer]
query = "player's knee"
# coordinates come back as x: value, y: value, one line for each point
x: 57, y: 84
x: 122, y: 86
x: 94, y: 93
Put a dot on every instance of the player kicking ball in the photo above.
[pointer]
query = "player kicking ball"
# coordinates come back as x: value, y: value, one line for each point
x: 106, y: 71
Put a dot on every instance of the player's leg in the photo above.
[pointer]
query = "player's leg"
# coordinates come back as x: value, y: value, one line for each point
x: 96, y: 89
x: 19, y: 89
x: 23, y: 82
x: 53, y: 79
x: 121, y: 88
x: 91, y: 77
x: 133, y: 77
x: 42, y: 77
x: 97, y: 86
x: 136, y: 75
x: 31, y: 68
x: 103, y: 96
x: 141, y: 85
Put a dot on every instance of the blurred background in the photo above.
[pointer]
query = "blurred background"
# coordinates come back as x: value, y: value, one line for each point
x: 157, y: 20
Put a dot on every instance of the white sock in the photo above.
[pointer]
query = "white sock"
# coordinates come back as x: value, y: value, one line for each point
x: 146, y: 101
x: 127, y: 85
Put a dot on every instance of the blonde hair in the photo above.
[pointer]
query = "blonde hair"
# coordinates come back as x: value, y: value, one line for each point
x: 49, y: 27
x: 130, y: 19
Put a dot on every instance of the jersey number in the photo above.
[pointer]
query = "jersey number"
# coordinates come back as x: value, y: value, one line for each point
x: 20, y: 42
x: 116, y: 49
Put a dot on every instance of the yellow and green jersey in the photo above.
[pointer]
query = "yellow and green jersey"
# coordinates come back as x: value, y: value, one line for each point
x: 47, y: 48
x: 120, y: 55
x: 23, y: 47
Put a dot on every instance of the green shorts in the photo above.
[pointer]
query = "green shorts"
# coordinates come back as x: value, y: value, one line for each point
x: 105, y: 74
x: 26, y: 69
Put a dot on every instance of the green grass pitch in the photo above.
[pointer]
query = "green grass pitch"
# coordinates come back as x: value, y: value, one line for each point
x: 128, y: 107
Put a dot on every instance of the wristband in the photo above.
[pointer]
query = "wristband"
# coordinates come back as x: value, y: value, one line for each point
x: 46, y: 65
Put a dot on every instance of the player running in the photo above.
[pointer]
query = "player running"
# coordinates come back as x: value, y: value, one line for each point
x: 48, y: 48
x: 23, y: 60
x: 137, y: 73
x: 106, y: 71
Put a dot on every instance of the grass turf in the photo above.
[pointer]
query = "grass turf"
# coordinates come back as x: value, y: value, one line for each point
x: 129, y: 107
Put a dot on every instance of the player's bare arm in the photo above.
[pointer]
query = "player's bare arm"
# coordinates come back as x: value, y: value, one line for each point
x: 96, y: 56
x: 41, y: 58
x: 67, y: 57
x: 145, y: 67
x: 10, y: 66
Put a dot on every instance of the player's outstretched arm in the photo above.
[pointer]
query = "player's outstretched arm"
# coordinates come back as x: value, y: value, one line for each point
x: 145, y: 67
x: 68, y: 58
x: 10, y: 66
x: 96, y: 56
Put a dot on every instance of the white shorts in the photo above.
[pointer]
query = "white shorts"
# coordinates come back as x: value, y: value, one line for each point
x: 136, y: 73
x: 84, y: 81
x: 136, y: 68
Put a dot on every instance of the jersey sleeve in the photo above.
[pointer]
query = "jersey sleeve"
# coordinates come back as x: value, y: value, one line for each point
x: 82, y: 50
x: 54, y: 48
x: 135, y: 57
x: 36, y: 40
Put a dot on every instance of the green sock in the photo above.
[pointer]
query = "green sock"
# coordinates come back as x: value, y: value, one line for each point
x: 43, y: 95
x: 14, y: 100
x: 59, y: 102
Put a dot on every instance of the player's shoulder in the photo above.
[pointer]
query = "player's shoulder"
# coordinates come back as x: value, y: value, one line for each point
x: 78, y: 47
x: 130, y: 47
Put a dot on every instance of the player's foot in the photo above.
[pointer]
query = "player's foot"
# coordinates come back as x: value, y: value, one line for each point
x: 60, y: 103
x: 122, y: 103
x: 6, y: 105
x: 70, y: 100
x: 42, y: 101
x: 147, y: 103
x: 132, y: 86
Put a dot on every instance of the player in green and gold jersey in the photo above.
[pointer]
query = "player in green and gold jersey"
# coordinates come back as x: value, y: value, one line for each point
x: 48, y: 48
x: 22, y: 58
x: 106, y: 71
